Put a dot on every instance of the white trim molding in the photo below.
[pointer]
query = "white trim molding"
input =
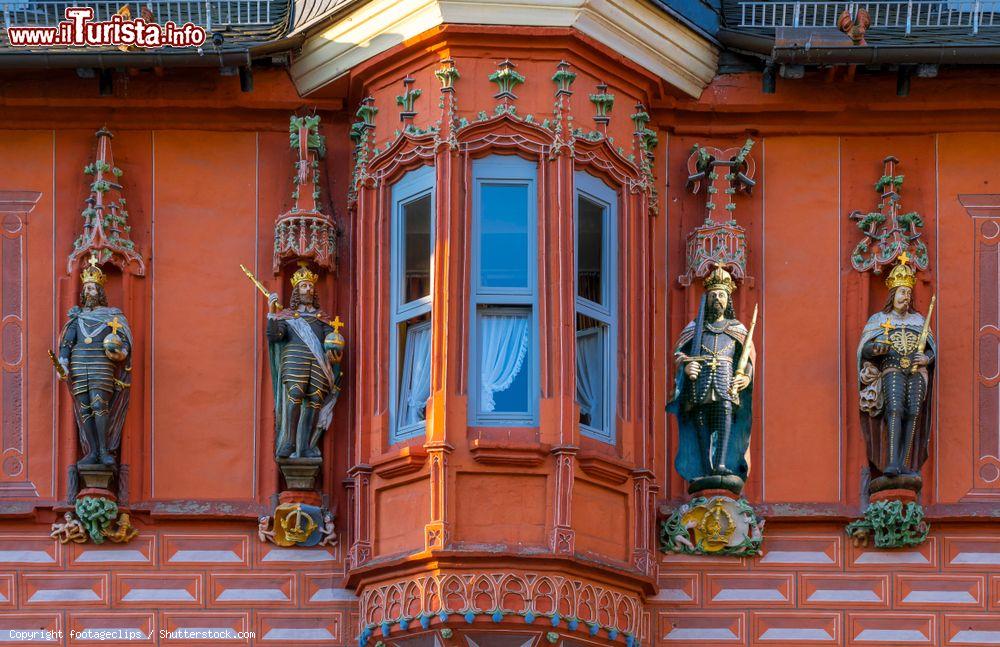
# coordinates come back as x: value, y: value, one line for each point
x: 633, y: 28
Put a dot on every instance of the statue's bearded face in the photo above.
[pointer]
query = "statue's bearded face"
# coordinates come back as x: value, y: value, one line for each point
x: 306, y: 291
x: 901, y: 299
x: 90, y: 295
x: 716, y: 303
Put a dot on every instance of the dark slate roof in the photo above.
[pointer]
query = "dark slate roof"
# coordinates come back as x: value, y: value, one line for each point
x: 939, y: 24
x: 306, y: 13
x: 701, y: 15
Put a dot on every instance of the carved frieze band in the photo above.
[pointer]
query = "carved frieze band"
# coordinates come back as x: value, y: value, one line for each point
x: 529, y: 595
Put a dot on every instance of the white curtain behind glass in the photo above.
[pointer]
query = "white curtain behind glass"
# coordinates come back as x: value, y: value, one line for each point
x: 416, y: 383
x: 504, y: 346
x: 589, y: 374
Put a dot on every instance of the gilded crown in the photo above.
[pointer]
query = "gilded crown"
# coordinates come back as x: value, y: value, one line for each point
x: 720, y: 279
x: 93, y: 273
x: 902, y: 275
x: 298, y: 525
x: 303, y: 274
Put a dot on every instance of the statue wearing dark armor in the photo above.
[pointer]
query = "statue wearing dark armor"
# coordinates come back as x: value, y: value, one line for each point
x: 94, y: 349
x: 713, y: 414
x: 894, y: 377
x: 305, y: 353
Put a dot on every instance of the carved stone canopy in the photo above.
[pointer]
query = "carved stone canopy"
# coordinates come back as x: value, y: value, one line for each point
x: 106, y: 232
x: 304, y: 232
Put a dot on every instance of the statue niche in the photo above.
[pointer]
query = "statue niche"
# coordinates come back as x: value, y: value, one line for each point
x: 895, y: 371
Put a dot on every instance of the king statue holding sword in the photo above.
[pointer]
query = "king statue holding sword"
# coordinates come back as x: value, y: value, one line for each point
x: 896, y: 357
x: 713, y: 391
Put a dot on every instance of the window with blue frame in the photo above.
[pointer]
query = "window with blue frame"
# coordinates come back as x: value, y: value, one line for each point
x: 503, y: 381
x: 596, y: 315
x: 410, y: 336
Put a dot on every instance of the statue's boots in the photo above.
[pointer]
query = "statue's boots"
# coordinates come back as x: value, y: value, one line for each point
x: 104, y: 457
x: 285, y: 450
x: 302, y: 449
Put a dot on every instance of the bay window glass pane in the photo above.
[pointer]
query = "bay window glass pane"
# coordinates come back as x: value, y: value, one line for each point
x: 591, y: 338
x: 589, y: 250
x: 504, y: 239
x: 416, y: 235
x: 504, y: 339
x: 415, y: 382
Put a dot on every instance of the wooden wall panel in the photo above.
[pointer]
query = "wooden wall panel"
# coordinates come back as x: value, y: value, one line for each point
x: 801, y: 432
x: 967, y: 165
x: 205, y: 324
x: 26, y: 163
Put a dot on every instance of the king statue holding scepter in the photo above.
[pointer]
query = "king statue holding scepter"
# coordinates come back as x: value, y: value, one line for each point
x: 305, y: 349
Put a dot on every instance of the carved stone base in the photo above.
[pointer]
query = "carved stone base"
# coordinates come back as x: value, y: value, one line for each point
x: 309, y: 497
x: 96, y: 476
x: 729, y: 482
x: 300, y: 473
x: 911, y: 482
x: 716, y: 525
x: 892, y: 523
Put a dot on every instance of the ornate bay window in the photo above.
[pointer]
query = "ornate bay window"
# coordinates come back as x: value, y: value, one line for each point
x: 504, y: 342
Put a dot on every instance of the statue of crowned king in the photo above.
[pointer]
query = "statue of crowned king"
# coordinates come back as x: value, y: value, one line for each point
x: 305, y: 350
x: 896, y: 356
x: 95, y: 359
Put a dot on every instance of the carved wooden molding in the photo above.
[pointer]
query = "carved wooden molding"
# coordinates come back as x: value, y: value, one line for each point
x: 491, y: 452
x: 405, y: 461
x: 604, y: 468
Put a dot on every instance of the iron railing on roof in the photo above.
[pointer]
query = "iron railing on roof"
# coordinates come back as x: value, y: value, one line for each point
x: 210, y: 14
x: 888, y: 14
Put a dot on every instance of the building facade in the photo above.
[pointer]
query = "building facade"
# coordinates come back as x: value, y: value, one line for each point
x: 508, y: 216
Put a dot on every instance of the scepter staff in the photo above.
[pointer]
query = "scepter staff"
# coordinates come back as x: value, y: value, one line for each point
x: 260, y: 286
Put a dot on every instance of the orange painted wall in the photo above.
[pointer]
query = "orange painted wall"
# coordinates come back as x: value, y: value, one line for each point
x: 205, y: 178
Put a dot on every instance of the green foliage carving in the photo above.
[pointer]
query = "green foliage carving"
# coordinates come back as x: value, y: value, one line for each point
x: 314, y: 140
x: 96, y: 514
x: 893, y: 524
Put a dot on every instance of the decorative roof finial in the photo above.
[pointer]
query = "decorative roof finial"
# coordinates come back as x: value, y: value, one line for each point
x: 563, y: 78
x: 603, y: 102
x: 407, y: 99
x: 507, y: 78
x: 447, y: 74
